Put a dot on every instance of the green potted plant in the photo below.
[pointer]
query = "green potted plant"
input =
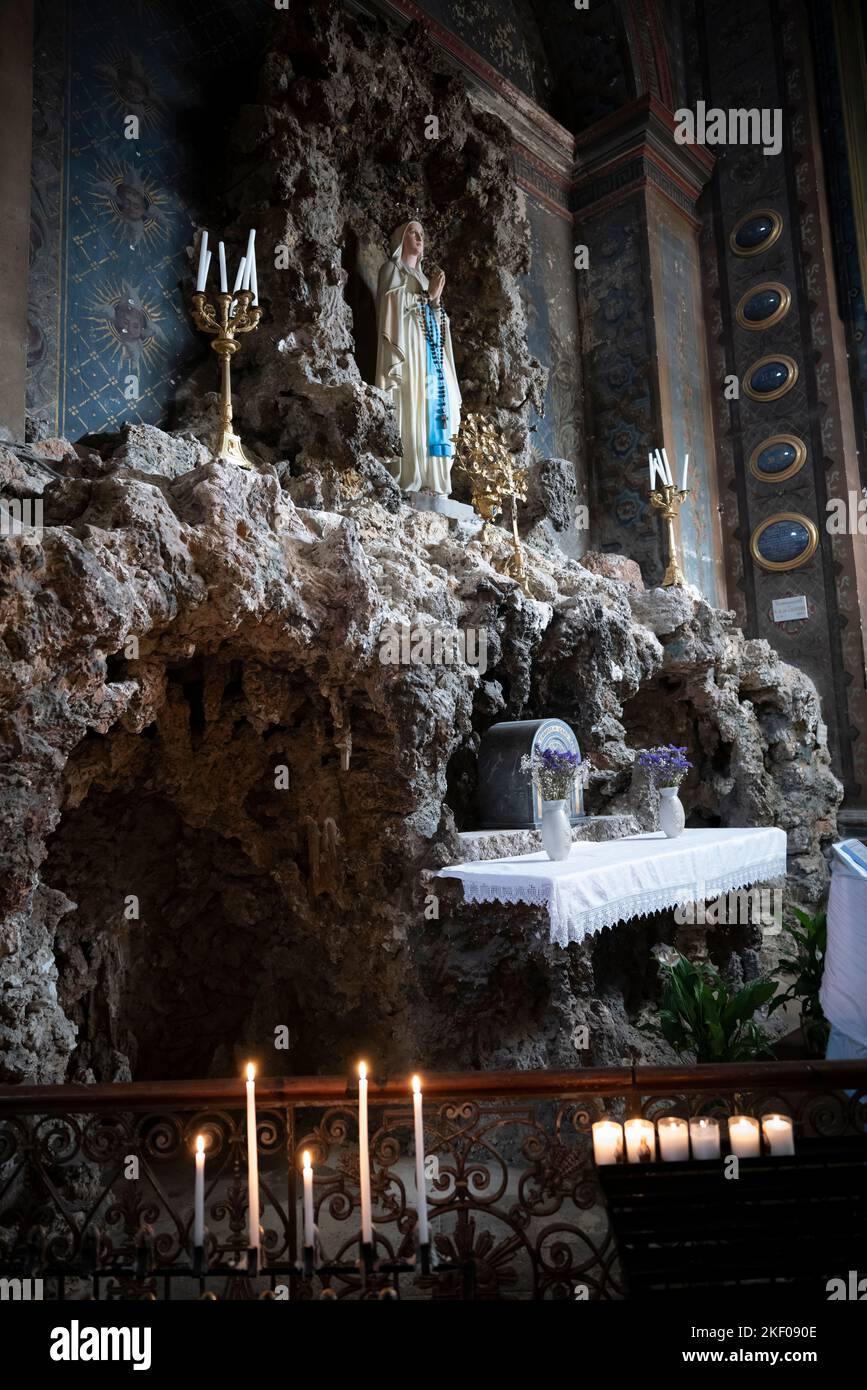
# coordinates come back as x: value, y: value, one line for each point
x: 702, y: 1017
x: 809, y: 942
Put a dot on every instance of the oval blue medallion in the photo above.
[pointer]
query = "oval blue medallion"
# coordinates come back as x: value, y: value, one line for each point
x: 776, y: 458
x: 783, y: 541
x: 771, y: 376
x: 753, y: 232
x: 762, y: 305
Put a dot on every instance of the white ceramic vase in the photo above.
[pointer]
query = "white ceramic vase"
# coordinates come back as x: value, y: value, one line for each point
x: 672, y: 816
x: 556, y: 830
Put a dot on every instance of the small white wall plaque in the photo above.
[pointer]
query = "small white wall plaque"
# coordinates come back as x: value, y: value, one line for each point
x: 787, y: 609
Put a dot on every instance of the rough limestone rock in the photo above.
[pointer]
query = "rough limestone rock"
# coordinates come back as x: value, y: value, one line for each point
x: 330, y: 86
x: 221, y: 807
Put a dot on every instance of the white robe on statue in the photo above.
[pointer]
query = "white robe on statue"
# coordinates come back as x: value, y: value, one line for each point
x: 401, y: 370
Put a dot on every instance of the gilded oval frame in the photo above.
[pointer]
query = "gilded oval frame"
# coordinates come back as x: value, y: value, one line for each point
x: 793, y: 468
x: 780, y: 390
x: 779, y: 313
x: 779, y: 565
x: 766, y: 245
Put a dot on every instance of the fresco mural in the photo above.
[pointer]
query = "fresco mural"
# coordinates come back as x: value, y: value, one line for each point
x: 120, y: 163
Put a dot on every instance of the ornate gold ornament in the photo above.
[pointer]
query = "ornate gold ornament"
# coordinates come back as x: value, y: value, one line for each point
x: 496, y: 478
x: 216, y: 317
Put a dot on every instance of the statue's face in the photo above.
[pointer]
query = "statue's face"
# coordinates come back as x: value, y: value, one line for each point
x: 413, y: 240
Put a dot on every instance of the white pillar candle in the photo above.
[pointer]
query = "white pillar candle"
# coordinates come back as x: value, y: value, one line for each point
x: 364, y: 1157
x: 685, y: 469
x: 640, y: 1141
x: 421, y: 1195
x: 254, y: 280
x: 240, y: 276
x: 673, y: 1135
x: 248, y: 258
x: 704, y: 1136
x: 607, y: 1142
x: 221, y: 252
x: 779, y: 1134
x: 252, y: 1159
x: 744, y: 1137
x: 204, y: 261
x: 199, y: 1194
x: 307, y: 1175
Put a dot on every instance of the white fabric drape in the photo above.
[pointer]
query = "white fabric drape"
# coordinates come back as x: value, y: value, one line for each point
x: 615, y: 880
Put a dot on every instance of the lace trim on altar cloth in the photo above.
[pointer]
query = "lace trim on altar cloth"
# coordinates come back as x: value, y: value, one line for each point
x: 566, y: 929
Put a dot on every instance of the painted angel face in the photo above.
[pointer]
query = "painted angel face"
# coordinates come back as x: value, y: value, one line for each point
x: 413, y: 240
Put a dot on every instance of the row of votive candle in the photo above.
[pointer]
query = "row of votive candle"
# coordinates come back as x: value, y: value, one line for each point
x: 677, y: 1139
x: 307, y: 1170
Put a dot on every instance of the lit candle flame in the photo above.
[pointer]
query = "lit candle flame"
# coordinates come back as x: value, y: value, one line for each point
x: 200, y: 1144
x: 362, y: 1070
x: 416, y: 1085
x: 251, y: 1071
x: 305, y: 1159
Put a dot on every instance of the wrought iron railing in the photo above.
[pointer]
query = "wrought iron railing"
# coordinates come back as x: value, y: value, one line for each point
x: 96, y: 1181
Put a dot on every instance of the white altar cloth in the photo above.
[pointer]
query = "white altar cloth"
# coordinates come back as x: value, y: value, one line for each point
x: 615, y: 880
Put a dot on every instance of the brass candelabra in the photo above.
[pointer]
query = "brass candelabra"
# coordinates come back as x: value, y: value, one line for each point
x: 216, y: 317
x: 495, y: 478
x: 669, y: 500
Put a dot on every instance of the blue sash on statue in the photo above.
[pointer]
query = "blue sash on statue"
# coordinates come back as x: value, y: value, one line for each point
x: 439, y: 443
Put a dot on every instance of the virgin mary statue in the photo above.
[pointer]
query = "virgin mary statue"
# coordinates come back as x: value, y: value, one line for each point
x: 415, y: 364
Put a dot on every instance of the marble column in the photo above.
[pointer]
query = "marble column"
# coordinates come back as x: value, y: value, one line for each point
x: 16, y: 103
x: 642, y: 316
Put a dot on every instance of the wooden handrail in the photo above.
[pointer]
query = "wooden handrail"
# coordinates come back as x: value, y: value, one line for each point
x: 332, y: 1090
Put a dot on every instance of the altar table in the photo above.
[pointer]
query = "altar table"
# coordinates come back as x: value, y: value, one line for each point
x: 614, y: 880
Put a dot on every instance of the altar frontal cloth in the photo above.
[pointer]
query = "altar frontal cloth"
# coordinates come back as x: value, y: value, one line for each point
x: 615, y: 880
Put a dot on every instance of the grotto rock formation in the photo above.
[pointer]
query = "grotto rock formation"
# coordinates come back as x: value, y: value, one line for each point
x: 332, y: 86
x: 220, y: 805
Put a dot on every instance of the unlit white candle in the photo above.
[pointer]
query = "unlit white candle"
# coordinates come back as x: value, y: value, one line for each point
x: 248, y: 258
x: 207, y: 269
x: 224, y: 284
x: 307, y: 1174
x: 652, y: 467
x: 673, y: 1135
x: 199, y: 1194
x: 607, y: 1141
x: 421, y: 1195
x: 204, y: 261
x: 640, y: 1141
x: 685, y: 468
x: 779, y: 1134
x: 252, y: 1157
x: 240, y: 276
x: 744, y: 1136
x: 364, y: 1157
x: 668, y: 477
x: 254, y: 279
x: 704, y: 1137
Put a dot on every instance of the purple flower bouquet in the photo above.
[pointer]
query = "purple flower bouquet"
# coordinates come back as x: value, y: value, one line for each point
x: 666, y: 764
x: 553, y: 770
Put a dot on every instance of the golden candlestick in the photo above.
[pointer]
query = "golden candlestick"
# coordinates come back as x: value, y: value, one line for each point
x: 669, y: 500
x: 217, y: 318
